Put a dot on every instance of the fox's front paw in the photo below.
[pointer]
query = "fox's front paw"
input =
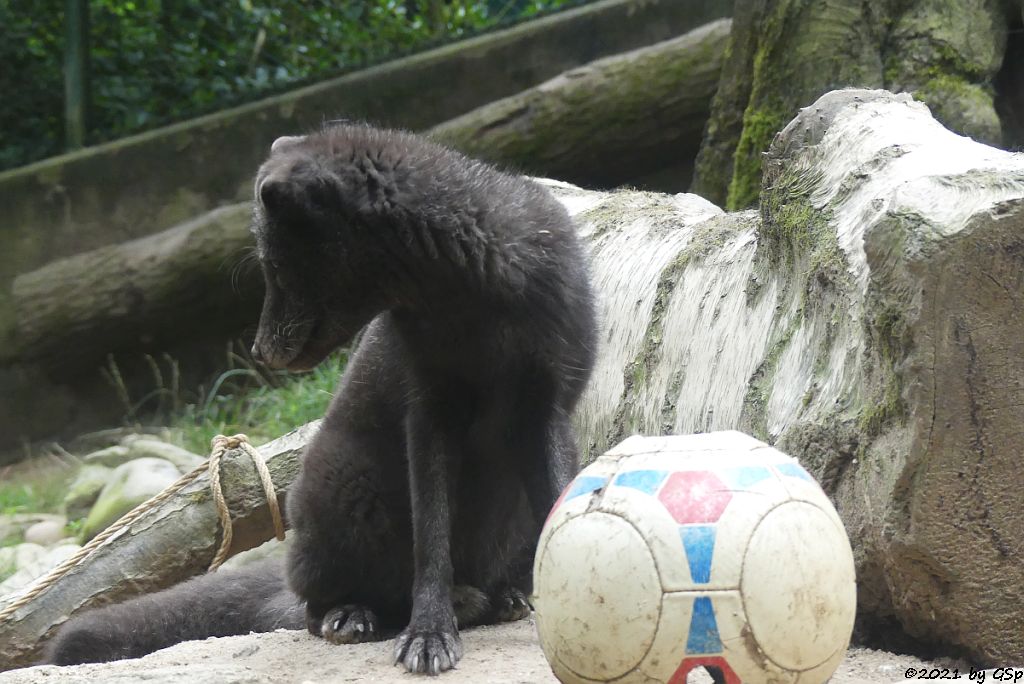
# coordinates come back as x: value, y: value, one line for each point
x: 428, y: 648
x: 350, y: 625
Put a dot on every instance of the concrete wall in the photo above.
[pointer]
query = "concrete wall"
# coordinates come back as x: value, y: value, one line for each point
x: 140, y: 185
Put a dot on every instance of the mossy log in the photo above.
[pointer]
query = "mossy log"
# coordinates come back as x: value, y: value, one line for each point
x: 785, y: 53
x: 605, y: 123
x: 172, y: 542
x: 867, y: 320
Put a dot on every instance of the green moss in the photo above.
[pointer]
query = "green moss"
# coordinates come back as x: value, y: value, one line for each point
x: 663, y: 293
x: 802, y: 236
x: 711, y: 235
x: 952, y: 60
x: 784, y: 43
x: 755, y: 403
x: 890, y: 74
x: 965, y: 107
x: 948, y: 85
x: 876, y: 415
x: 759, y: 128
x: 795, y: 230
x: 796, y: 223
x: 887, y: 339
x: 668, y: 404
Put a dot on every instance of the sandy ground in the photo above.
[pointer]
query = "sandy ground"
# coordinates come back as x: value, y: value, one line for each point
x: 506, y: 654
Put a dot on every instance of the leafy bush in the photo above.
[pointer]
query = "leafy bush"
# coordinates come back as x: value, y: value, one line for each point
x: 153, y: 62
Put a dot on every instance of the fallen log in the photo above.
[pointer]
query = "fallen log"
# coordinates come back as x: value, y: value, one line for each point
x: 867, y: 319
x: 605, y: 123
x: 189, y: 280
x: 172, y: 542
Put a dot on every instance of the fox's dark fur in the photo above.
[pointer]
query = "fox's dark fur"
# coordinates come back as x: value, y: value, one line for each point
x: 449, y: 437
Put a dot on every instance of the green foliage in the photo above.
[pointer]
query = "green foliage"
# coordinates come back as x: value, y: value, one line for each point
x: 240, y: 400
x: 38, y: 490
x: 74, y: 527
x: 30, y: 79
x: 153, y: 62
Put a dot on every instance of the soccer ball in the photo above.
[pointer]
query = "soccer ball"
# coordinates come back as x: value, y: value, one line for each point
x: 668, y: 554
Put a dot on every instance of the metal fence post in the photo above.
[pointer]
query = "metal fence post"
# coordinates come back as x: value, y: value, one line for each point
x: 76, y: 72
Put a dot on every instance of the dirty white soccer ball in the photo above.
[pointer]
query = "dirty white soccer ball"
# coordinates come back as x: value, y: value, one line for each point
x: 668, y: 554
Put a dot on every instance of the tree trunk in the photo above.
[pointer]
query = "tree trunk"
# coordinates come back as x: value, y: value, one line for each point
x: 605, y: 123
x: 713, y: 167
x: 170, y: 544
x: 946, y: 53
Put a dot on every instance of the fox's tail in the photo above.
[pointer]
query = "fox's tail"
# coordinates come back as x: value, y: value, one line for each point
x: 252, y: 599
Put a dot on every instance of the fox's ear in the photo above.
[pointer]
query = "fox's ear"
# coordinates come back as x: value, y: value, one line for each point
x: 285, y: 141
x: 277, y: 197
x: 299, y: 196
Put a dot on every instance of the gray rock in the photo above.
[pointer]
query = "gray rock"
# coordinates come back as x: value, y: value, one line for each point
x: 102, y: 439
x: 269, y: 549
x: 14, y: 558
x: 130, y: 484
x: 46, y: 533
x: 14, y: 525
x: 42, y: 561
x: 85, y: 488
x: 111, y: 457
x: 146, y: 447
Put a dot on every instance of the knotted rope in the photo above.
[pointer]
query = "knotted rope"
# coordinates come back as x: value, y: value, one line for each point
x: 220, y: 444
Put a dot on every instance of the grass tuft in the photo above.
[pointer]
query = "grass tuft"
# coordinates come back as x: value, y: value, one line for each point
x: 36, y: 489
x: 242, y: 400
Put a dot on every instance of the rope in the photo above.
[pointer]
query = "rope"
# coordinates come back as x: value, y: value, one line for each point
x: 220, y: 444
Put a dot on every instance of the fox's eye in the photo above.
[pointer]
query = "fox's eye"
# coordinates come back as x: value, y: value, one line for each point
x: 276, y: 274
